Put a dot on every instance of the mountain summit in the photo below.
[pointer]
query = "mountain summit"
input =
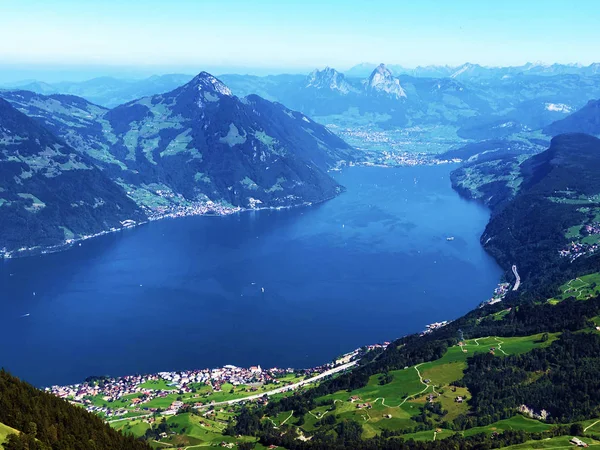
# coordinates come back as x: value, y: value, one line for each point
x: 382, y: 81
x: 206, y: 83
x: 329, y: 78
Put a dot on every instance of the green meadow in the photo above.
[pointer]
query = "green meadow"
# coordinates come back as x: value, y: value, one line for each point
x: 394, y: 404
x: 4, y: 432
x: 582, y: 288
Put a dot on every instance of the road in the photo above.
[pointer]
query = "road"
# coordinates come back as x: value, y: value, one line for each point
x: 518, y: 282
x: 289, y: 387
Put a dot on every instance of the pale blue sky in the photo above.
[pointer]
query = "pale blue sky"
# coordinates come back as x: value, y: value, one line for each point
x: 176, y: 34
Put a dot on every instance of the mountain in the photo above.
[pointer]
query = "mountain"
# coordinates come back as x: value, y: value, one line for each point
x: 382, y: 82
x: 555, y: 198
x: 202, y: 142
x: 198, y: 148
x: 50, y: 193
x: 586, y: 120
x: 329, y: 78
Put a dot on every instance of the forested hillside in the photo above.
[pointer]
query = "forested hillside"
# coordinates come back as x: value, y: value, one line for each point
x: 46, y: 422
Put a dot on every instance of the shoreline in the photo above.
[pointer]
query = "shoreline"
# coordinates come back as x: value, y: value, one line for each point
x: 67, y: 245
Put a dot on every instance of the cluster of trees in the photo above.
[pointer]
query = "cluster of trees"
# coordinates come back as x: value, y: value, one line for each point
x: 350, y: 438
x: 561, y: 379
x: 47, y: 422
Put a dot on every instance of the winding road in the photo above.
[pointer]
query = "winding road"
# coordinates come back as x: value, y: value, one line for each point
x: 518, y: 282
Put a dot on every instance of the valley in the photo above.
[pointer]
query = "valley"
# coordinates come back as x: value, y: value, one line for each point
x: 371, y: 162
x: 299, y: 225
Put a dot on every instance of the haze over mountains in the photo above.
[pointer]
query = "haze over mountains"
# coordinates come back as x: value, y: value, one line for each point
x: 472, y: 71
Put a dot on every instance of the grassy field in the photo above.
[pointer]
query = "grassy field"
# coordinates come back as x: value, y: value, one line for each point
x: 394, y: 404
x: 581, y: 288
x: 4, y: 432
x: 591, y: 426
x: 158, y: 385
x: 557, y: 443
x: 517, y: 422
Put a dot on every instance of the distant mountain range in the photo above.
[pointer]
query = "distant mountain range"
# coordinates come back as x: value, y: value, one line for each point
x: 474, y: 98
x: 195, y: 149
x: 468, y: 71
x: 106, y: 91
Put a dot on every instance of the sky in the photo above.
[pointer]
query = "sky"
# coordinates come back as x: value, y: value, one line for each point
x: 290, y: 35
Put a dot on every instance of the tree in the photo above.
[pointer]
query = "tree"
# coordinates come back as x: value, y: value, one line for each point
x: 576, y: 429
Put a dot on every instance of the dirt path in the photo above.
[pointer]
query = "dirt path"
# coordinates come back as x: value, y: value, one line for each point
x: 500, y: 346
x: 590, y: 426
x: 418, y: 393
x: 289, y: 417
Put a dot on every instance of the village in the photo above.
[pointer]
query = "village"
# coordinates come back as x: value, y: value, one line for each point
x: 499, y: 293
x: 577, y: 249
x: 189, y: 209
x: 166, y: 393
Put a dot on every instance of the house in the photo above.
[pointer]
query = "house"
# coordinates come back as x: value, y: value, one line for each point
x: 578, y: 442
x: 459, y: 399
x: 387, y: 416
x: 427, y: 380
x: 364, y: 405
x: 354, y: 398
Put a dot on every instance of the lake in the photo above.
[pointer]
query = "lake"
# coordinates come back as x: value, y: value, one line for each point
x: 371, y: 265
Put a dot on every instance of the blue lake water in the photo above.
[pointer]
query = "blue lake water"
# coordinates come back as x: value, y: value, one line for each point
x: 370, y: 265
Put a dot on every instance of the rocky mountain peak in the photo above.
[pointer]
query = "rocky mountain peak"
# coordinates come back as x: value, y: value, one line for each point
x: 382, y: 81
x: 205, y: 82
x: 328, y: 78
